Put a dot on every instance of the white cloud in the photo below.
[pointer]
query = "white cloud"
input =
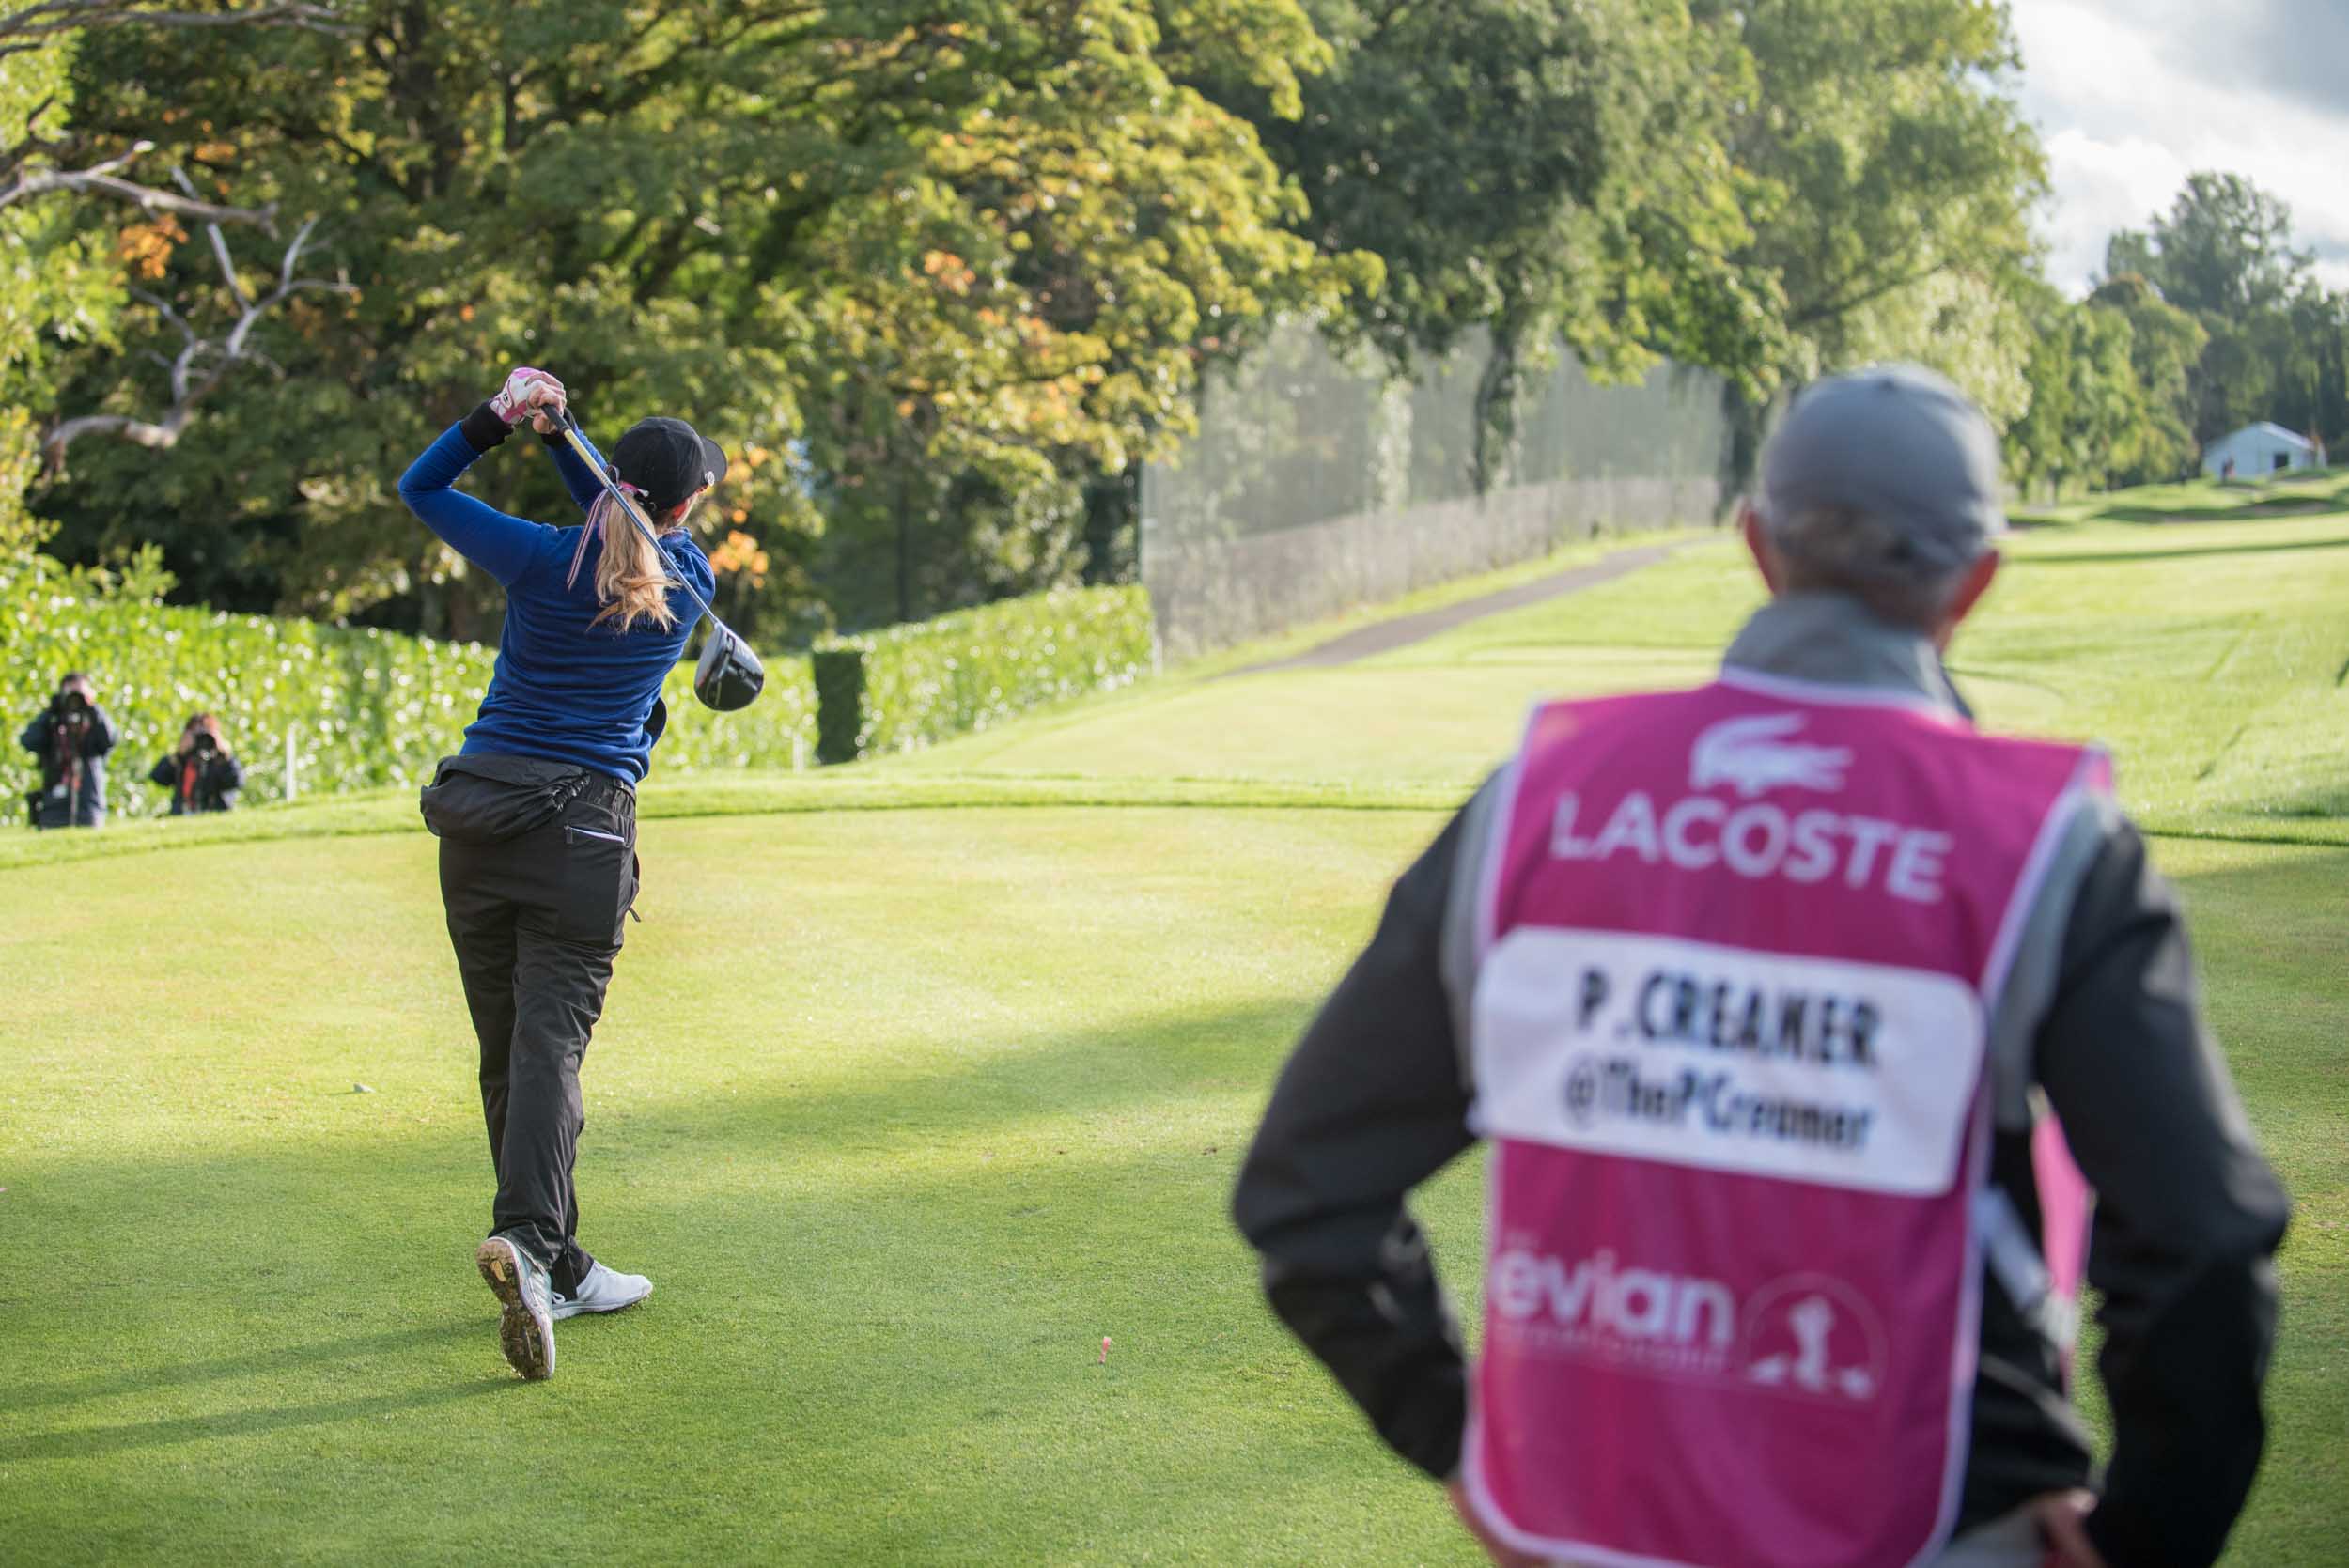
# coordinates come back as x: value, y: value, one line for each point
x: 2100, y: 187
x: 2131, y: 95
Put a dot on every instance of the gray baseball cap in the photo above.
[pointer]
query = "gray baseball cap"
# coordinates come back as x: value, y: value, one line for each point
x: 1888, y: 472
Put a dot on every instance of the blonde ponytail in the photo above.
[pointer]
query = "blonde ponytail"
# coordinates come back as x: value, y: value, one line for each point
x: 632, y: 578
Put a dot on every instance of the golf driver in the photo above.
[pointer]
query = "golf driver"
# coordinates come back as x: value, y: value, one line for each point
x: 728, y: 674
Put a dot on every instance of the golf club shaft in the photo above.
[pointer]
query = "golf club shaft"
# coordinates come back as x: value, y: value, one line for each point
x: 569, y: 429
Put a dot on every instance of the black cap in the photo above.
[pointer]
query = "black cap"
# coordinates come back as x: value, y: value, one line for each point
x: 668, y: 459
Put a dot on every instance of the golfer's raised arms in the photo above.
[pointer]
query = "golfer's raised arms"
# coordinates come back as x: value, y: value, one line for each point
x: 577, y: 479
x: 575, y: 682
x: 499, y: 543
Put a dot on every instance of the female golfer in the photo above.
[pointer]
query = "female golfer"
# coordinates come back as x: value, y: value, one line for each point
x: 537, y: 815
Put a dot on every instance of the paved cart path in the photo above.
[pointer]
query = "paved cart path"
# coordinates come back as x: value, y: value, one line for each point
x: 1401, y: 632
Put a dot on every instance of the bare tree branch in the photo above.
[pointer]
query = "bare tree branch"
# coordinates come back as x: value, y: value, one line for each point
x: 220, y: 245
x: 27, y: 27
x: 43, y: 23
x: 101, y: 180
x: 202, y: 364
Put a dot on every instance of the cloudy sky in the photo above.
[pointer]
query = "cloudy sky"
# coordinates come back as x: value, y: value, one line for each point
x: 2130, y: 96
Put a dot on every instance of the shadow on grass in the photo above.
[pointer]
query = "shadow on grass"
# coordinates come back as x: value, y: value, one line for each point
x: 851, y: 1138
x: 88, y: 1443
x: 2299, y: 495
x: 324, y: 1353
x: 852, y: 1302
x: 2325, y: 800
x: 819, y: 1248
x: 2247, y: 511
x: 2100, y: 558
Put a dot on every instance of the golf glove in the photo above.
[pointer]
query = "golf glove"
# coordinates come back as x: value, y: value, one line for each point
x: 524, y: 392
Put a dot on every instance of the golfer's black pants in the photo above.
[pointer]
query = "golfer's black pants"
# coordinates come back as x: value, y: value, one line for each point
x: 535, y: 921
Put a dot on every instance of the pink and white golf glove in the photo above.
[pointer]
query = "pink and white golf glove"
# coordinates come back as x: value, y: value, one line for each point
x: 524, y: 393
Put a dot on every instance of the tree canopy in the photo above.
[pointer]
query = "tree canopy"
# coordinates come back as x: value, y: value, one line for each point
x: 2223, y: 324
x: 941, y: 272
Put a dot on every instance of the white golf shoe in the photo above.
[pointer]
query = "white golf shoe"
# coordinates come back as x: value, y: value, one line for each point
x: 526, y: 1327
x: 604, y: 1289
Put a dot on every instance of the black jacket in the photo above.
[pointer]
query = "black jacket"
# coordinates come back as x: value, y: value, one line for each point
x: 2188, y: 1215
x: 72, y: 758
x: 207, y: 786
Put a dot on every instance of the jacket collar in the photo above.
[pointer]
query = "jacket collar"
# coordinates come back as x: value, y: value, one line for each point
x: 1831, y: 640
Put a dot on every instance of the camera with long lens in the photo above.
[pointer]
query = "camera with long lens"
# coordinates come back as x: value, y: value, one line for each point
x: 72, y: 705
x: 205, y: 745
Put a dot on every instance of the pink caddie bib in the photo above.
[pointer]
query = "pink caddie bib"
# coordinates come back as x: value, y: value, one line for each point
x: 1739, y: 948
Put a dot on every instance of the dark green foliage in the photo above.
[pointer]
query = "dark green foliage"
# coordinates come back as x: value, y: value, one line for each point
x: 976, y: 243
x: 910, y: 686
x: 840, y: 719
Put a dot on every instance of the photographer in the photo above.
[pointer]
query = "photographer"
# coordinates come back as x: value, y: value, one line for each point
x: 200, y: 774
x: 71, y: 738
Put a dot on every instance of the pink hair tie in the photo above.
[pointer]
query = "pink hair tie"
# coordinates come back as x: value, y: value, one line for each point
x: 586, y: 532
x: 593, y: 526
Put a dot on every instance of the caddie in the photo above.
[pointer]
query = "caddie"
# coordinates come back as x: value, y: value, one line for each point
x: 1803, y: 1020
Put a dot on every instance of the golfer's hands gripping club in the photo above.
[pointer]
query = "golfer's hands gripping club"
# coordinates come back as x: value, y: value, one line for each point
x: 530, y: 394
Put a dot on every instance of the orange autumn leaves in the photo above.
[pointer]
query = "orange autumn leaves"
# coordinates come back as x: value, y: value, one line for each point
x: 950, y: 271
x: 144, y: 249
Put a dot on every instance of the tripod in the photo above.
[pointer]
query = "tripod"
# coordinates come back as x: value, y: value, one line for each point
x: 67, y: 733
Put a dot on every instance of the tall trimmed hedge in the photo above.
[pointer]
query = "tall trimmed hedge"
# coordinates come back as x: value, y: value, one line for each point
x: 366, y: 708
x: 912, y: 685
x: 776, y: 730
x: 369, y: 709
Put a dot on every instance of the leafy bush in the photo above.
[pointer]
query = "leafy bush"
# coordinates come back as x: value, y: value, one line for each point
x: 912, y: 685
x: 776, y: 730
x: 366, y: 707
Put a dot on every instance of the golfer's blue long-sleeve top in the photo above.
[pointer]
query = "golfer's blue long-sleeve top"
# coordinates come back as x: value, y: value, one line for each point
x: 565, y: 689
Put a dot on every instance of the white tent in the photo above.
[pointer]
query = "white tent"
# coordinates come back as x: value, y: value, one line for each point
x: 2259, y: 450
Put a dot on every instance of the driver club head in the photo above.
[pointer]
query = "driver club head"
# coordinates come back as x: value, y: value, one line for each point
x: 728, y: 675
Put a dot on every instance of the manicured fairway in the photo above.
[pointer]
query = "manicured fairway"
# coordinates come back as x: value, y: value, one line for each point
x: 974, y: 1102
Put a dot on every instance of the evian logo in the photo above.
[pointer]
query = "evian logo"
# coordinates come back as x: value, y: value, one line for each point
x: 1803, y: 1334
x: 1813, y: 1335
x: 1753, y: 755
x: 1670, y: 1312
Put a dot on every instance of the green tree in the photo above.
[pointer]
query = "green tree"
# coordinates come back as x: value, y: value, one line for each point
x: 2317, y: 366
x: 2088, y: 412
x: 2223, y: 250
x: 918, y: 252
x: 2165, y: 347
x: 62, y: 205
x: 1908, y: 177
x: 60, y: 289
x: 1545, y: 171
